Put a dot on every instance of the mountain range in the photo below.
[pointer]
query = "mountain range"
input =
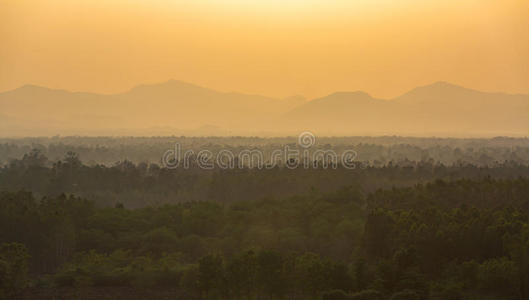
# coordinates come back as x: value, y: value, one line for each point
x: 179, y: 108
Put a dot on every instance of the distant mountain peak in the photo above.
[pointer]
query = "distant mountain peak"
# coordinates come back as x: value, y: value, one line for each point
x: 168, y: 86
x: 168, y: 83
x: 442, y: 85
x: 335, y: 104
x: 35, y: 89
x: 435, y: 92
x: 175, y: 82
x: 350, y: 95
x: 28, y: 87
x: 300, y: 98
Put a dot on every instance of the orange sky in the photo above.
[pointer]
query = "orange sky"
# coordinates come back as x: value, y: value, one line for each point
x: 270, y: 47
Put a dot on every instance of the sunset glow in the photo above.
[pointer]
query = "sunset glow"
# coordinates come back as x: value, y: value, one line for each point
x: 276, y: 48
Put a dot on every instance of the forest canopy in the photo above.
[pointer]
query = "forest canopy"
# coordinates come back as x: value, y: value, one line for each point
x: 401, y: 229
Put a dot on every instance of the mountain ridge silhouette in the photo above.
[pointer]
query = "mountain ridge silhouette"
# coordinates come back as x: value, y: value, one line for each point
x: 178, y: 104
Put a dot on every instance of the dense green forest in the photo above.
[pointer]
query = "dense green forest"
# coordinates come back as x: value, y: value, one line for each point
x: 402, y: 230
x: 465, y: 239
x: 143, y: 184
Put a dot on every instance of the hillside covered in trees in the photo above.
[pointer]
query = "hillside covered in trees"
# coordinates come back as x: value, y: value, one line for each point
x: 404, y: 230
x: 335, y: 246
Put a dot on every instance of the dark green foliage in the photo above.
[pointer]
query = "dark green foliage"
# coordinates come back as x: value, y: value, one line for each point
x: 210, y: 275
x: 406, y: 295
x: 362, y: 295
x: 367, y: 295
x: 335, y: 295
x: 499, y: 276
x: 13, y: 270
x: 462, y: 239
x: 241, y: 275
x: 271, y: 274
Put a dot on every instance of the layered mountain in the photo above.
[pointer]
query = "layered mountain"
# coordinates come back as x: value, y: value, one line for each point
x: 437, y: 109
x: 173, y: 107
x: 180, y: 108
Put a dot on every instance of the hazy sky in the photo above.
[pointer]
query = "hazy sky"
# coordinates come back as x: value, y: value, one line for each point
x: 269, y: 47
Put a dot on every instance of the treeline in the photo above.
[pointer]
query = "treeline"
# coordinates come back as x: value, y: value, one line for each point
x: 375, y: 151
x: 463, y: 239
x: 143, y: 184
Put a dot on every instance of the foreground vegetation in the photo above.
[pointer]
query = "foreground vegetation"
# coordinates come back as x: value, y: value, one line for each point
x: 462, y: 239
